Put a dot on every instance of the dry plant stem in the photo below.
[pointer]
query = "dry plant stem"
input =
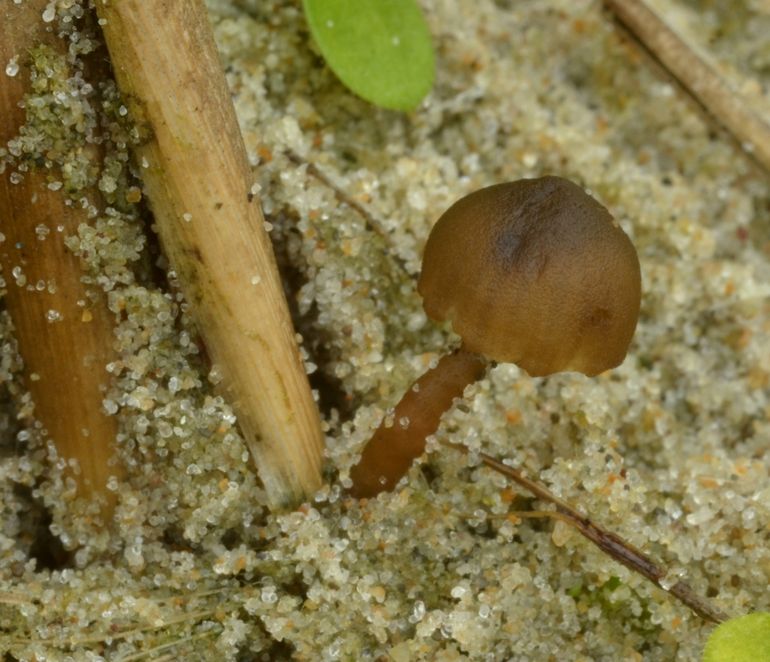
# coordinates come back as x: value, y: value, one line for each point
x: 731, y: 109
x: 197, y: 179
x: 391, y: 450
x: 610, y: 543
x: 65, y: 642
x: 64, y: 359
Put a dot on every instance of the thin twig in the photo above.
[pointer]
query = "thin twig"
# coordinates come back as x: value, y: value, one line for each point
x: 7, y: 598
x: 610, y: 543
x: 697, y: 76
x: 372, y: 224
x: 171, y: 644
x: 69, y: 642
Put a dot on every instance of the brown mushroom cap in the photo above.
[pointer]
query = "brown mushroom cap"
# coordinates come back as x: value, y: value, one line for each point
x: 534, y: 272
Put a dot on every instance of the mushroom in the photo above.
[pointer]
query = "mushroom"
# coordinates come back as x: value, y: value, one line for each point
x: 533, y: 272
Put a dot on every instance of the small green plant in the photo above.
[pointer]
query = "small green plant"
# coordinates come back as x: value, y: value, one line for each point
x: 742, y: 639
x: 380, y: 49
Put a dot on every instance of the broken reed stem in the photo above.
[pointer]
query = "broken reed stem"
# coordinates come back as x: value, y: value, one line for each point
x: 607, y: 541
x: 64, y: 330
x: 197, y: 179
x: 697, y: 76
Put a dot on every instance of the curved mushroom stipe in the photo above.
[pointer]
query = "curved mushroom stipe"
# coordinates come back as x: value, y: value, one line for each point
x: 391, y: 450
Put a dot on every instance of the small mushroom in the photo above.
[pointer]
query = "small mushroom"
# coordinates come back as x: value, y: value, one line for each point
x: 533, y: 272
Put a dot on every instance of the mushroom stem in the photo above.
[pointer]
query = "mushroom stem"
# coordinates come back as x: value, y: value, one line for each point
x: 392, y: 449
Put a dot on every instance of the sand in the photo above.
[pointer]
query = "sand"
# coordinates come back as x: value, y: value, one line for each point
x: 670, y: 450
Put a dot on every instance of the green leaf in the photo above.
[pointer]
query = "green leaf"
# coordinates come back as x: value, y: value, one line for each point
x: 742, y: 639
x: 380, y: 49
